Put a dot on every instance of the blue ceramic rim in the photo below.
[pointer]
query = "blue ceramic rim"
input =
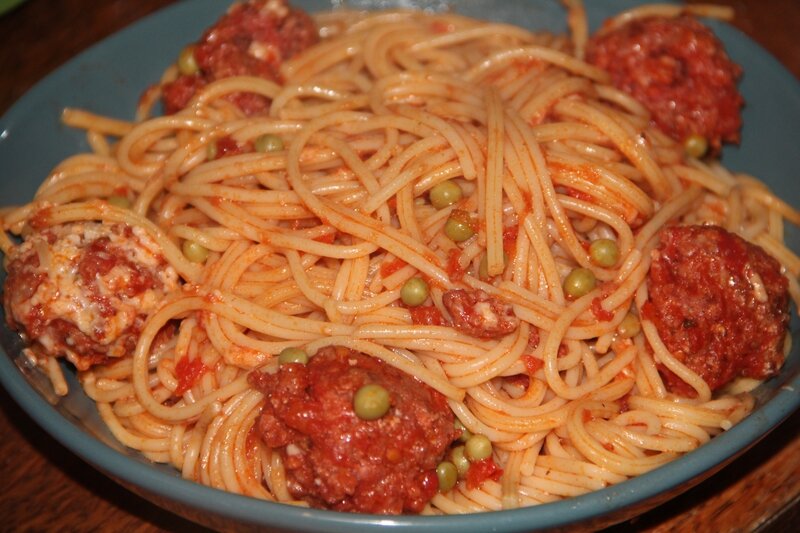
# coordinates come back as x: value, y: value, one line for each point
x: 240, y: 508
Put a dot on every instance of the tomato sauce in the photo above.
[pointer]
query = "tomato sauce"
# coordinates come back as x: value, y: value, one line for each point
x: 476, y: 313
x: 226, y: 146
x: 453, y: 268
x: 532, y: 364
x: 598, y: 311
x: 510, y: 239
x: 480, y: 471
x: 41, y: 219
x: 327, y: 238
x: 427, y: 315
x: 578, y: 195
x: 188, y: 372
x: 390, y: 267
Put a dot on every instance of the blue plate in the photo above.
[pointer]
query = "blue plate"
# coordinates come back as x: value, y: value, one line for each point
x: 109, y: 78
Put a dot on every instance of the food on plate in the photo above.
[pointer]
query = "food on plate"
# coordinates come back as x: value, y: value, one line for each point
x: 83, y: 290
x: 406, y: 262
x: 720, y: 305
x: 251, y: 39
x: 680, y: 71
x: 342, y: 449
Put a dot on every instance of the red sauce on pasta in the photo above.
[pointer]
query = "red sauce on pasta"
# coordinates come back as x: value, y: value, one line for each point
x: 532, y: 364
x: 476, y: 313
x: 510, y: 238
x: 480, y: 471
x: 427, y: 315
x: 226, y: 146
x: 598, y: 311
x: 327, y: 238
x: 188, y: 372
x: 389, y: 268
x: 454, y: 270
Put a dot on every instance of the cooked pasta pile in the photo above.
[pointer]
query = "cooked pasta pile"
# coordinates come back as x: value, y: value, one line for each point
x: 309, y: 246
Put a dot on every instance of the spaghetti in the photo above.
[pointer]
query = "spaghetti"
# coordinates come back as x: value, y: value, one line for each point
x: 245, y: 251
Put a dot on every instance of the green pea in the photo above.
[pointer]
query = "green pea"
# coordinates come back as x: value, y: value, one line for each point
x: 604, y: 252
x: 483, y: 266
x: 478, y: 447
x: 187, y: 63
x: 579, y: 282
x: 458, y: 458
x: 695, y: 145
x: 447, y: 474
x: 269, y: 142
x: 119, y: 201
x: 465, y: 433
x: 371, y: 402
x: 194, y: 251
x: 445, y: 194
x: 414, y: 292
x: 629, y: 327
x: 292, y: 355
x: 457, y: 229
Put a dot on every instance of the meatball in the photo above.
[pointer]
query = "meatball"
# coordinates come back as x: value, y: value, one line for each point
x: 252, y: 39
x: 84, y: 290
x: 336, y: 460
x: 679, y: 70
x: 720, y: 305
x: 478, y: 314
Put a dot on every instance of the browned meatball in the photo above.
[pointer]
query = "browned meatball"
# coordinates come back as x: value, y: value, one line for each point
x: 679, y: 70
x: 84, y: 290
x: 720, y: 305
x: 336, y: 460
x: 252, y: 39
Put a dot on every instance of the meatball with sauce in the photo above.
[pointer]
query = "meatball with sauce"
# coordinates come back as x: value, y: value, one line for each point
x: 720, y: 305
x: 252, y: 39
x: 679, y: 70
x: 83, y: 290
x: 338, y: 460
x: 476, y: 313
